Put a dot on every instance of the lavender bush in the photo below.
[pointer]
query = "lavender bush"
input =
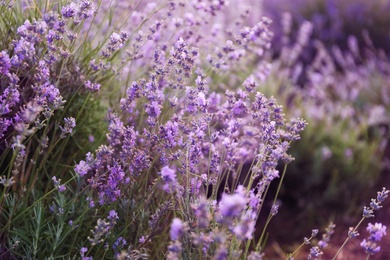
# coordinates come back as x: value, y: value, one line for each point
x: 138, y: 130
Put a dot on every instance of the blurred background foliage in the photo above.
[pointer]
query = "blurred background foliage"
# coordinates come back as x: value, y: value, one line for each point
x: 330, y: 65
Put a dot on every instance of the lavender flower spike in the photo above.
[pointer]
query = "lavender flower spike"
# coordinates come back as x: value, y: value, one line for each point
x: 177, y: 229
x: 376, y: 231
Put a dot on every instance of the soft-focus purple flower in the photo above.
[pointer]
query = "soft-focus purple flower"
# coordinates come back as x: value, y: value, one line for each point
x: 377, y: 231
x: 142, y: 239
x: 84, y: 250
x: 69, y: 11
x: 274, y: 209
x: 153, y: 109
x: 110, y: 191
x: 352, y: 232
x: 9, y: 99
x: 115, y: 42
x: 232, y: 205
x: 370, y: 247
x: 92, y: 86
x: 4, y: 124
x: 91, y: 202
x: 31, y: 112
x: 58, y: 185
x: 91, y: 138
x: 5, y: 63
x: 62, y: 188
x: 368, y: 212
x: 119, y: 244
x: 85, y: 10
x: 250, y: 84
x: 23, y: 50
x: 177, y: 229
x: 202, y: 213
x: 113, y: 216
x: 315, y: 253
x: 326, y: 236
x: 168, y: 174
x: 326, y: 153
x: 245, y: 228
x: 116, y: 130
x: 382, y: 195
x: 100, y: 231
x: 70, y: 123
x: 82, y: 168
x: 174, y: 249
x: 221, y: 253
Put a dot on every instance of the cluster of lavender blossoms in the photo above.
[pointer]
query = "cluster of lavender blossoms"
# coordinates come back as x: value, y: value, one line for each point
x: 377, y: 231
x: 34, y: 73
x: 186, y: 140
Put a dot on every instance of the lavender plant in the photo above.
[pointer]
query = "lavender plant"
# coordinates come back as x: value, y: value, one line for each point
x: 179, y: 148
x: 43, y: 94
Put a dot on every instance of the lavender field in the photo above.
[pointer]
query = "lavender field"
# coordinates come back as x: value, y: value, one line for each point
x: 194, y: 129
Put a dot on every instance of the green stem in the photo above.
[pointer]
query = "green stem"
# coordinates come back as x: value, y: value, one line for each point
x: 270, y: 216
x: 280, y: 183
x: 346, y: 240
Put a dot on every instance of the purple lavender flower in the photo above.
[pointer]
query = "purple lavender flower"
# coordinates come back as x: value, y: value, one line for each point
x: 326, y: 236
x: 92, y: 86
x: 119, y: 244
x: 23, y: 50
x: 100, y: 232
x: 70, y: 123
x: 84, y: 250
x: 376, y: 231
x: 168, y: 174
x: 246, y: 227
x: 82, y: 168
x: 382, y: 195
x: 177, y: 229
x: 116, y: 130
x: 232, y: 205
x: 31, y: 112
x: 115, y: 42
x: 4, y: 124
x: 315, y: 253
x: 9, y: 99
x: 221, y: 253
x: 5, y: 63
x: 113, y: 216
x: 57, y: 184
x: 69, y: 11
x: 202, y: 213
x: 368, y: 212
x: 85, y: 10
x: 275, y: 209
x: 370, y: 247
x: 110, y: 191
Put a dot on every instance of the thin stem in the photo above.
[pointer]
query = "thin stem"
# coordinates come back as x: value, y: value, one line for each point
x: 299, y: 247
x: 270, y: 216
x: 280, y: 183
x: 346, y: 240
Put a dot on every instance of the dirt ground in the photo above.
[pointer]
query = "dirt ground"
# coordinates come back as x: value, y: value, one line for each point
x: 352, y: 250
